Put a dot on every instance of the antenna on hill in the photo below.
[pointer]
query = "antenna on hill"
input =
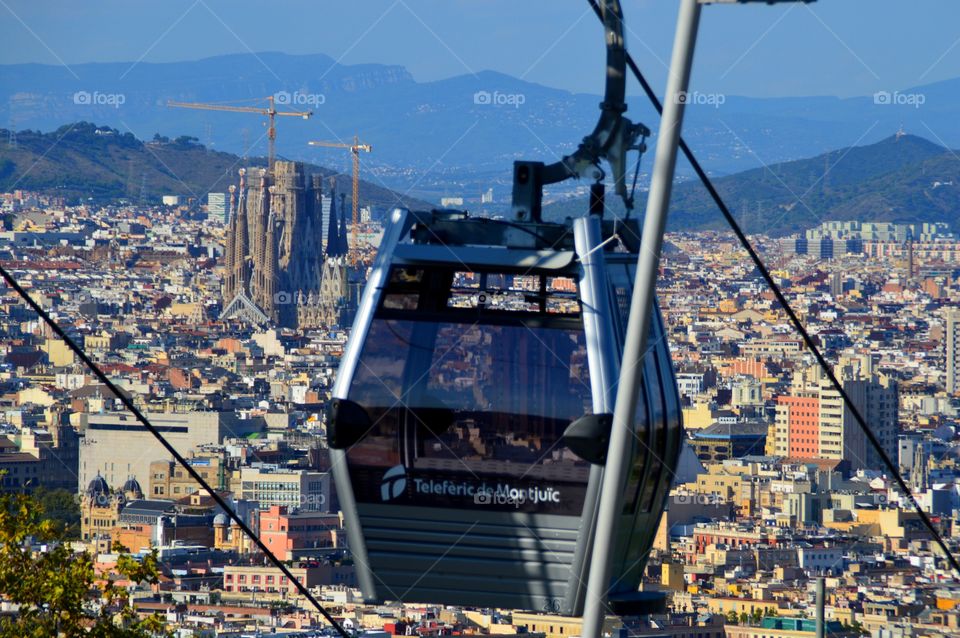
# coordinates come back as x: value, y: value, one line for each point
x: 900, y: 133
x: 143, y: 188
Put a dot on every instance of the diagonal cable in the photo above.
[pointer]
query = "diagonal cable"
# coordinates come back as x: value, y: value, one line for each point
x: 129, y: 405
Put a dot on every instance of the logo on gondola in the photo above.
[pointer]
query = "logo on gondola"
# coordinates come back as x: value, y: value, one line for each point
x: 394, y: 483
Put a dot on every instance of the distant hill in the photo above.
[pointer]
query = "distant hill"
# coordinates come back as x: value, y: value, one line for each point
x: 83, y: 160
x: 899, y: 179
x: 902, y: 179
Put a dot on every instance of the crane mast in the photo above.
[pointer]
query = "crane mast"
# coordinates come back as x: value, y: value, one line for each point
x: 354, y: 149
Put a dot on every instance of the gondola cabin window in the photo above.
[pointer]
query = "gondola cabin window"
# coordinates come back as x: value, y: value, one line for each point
x: 470, y: 379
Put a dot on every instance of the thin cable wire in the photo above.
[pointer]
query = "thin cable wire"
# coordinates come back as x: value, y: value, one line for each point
x: 798, y: 326
x: 127, y: 403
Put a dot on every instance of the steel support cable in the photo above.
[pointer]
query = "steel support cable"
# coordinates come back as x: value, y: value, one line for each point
x: 797, y: 325
x: 128, y: 404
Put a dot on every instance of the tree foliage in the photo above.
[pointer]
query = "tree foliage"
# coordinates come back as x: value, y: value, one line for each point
x: 57, y: 591
x: 60, y: 506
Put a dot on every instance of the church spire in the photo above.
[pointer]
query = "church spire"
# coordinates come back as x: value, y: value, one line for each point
x: 241, y: 244
x: 333, y: 238
x: 344, y: 246
x: 269, y: 267
x: 228, y: 251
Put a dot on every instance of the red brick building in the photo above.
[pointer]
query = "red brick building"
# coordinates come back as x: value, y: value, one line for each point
x: 292, y: 536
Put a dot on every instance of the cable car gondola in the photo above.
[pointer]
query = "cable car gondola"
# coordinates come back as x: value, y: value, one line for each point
x: 471, y: 412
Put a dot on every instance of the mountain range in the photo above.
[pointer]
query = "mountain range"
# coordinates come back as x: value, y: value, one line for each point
x: 465, y: 130
x: 903, y: 178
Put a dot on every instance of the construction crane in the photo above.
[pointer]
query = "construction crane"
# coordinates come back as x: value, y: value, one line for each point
x: 354, y: 149
x: 271, y: 112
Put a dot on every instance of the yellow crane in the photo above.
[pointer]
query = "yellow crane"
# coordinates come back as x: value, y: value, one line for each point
x: 354, y: 149
x: 270, y: 111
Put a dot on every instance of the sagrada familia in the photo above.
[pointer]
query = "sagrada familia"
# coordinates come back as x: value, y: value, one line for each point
x: 277, y: 272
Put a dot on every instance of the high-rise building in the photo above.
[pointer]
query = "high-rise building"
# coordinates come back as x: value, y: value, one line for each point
x: 812, y: 421
x: 326, y: 203
x: 952, y: 345
x: 217, y: 207
x: 797, y: 425
x: 836, y: 284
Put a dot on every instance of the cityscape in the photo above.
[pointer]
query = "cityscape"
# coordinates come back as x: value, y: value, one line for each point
x: 178, y: 457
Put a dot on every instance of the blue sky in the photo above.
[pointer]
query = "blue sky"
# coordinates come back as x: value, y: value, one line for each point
x: 831, y: 47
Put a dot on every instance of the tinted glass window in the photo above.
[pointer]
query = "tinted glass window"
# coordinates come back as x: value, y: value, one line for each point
x: 650, y: 446
x: 470, y: 413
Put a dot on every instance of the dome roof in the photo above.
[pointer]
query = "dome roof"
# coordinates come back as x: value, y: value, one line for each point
x: 220, y: 519
x: 98, y: 486
x: 132, y: 486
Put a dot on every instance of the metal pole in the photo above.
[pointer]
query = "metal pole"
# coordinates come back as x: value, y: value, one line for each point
x: 638, y: 325
x: 821, y: 608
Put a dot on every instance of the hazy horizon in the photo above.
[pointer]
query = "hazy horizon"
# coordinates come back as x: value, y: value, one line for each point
x: 794, y: 50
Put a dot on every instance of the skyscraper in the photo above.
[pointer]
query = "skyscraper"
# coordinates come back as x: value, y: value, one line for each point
x: 326, y: 201
x: 812, y: 421
x: 217, y: 207
x: 952, y: 344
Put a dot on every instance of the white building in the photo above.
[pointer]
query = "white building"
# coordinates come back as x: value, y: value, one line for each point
x: 820, y: 560
x: 116, y: 446
x: 217, y: 207
x: 298, y: 490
